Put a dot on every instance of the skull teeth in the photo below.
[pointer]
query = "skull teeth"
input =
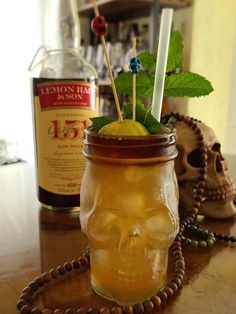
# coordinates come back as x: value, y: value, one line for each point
x: 222, y: 193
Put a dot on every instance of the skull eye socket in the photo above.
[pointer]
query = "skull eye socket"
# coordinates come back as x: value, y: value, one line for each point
x: 216, y: 148
x: 103, y: 229
x: 194, y: 158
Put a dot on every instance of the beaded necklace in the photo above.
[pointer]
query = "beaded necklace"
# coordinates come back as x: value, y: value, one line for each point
x: 188, y: 224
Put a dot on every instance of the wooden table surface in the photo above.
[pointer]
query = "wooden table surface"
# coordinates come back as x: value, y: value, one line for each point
x: 33, y: 240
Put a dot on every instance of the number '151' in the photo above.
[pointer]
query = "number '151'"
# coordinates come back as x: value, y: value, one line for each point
x: 67, y: 129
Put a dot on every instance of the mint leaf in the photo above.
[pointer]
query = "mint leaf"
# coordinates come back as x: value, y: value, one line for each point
x: 175, y: 54
x: 143, y: 116
x: 144, y: 84
x: 187, y: 84
x: 148, y: 61
x: 123, y: 83
x: 100, y: 122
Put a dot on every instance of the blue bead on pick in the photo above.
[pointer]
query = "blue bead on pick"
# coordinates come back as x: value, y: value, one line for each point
x: 135, y: 65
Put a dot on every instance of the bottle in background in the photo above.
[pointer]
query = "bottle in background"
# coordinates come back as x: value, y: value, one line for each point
x: 65, y: 97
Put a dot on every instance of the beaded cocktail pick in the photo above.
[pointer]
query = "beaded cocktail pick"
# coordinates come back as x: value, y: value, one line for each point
x: 99, y: 27
x: 135, y: 66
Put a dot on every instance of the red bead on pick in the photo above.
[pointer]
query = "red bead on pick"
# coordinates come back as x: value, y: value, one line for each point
x: 99, y: 26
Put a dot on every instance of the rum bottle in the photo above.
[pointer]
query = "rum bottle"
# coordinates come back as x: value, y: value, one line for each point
x: 65, y: 97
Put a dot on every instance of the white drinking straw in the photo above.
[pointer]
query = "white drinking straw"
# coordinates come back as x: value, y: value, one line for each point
x: 162, y: 55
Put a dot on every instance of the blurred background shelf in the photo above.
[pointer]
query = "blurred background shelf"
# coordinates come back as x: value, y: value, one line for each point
x: 117, y: 10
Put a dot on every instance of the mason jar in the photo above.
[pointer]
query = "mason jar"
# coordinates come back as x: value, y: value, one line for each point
x: 129, y: 212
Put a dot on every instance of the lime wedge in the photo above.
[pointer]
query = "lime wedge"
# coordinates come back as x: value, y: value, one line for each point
x: 125, y: 128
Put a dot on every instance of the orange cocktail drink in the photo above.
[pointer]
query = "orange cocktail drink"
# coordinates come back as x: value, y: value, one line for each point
x: 129, y: 211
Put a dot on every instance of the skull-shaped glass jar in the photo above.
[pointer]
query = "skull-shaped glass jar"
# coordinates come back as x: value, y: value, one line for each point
x: 129, y: 211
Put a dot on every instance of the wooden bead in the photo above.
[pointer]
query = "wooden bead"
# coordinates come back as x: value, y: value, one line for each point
x: 203, y: 164
x: 163, y: 296
x: 68, y: 266
x: 54, y: 273
x: 202, y: 171
x: 177, y: 255
x: 25, y: 309
x: 99, y: 26
x: 156, y: 301
x: 195, y: 210
x: 203, y: 156
x: 33, y: 285
x: 198, y: 198
x: 200, y: 191
x: 191, y: 219
x: 76, y: 264
x: 194, y: 243
x: 39, y: 281
x: 180, y: 263
x: 116, y: 310
x: 81, y: 311
x: 179, y: 276
x: 194, y: 126
x: 169, y: 291
x: 138, y: 308
x: 190, y: 122
x: 93, y: 310
x: 173, y: 286
x: 61, y: 270
x: 197, y: 131
x: 46, y: 277
x: 202, y: 244
x: 36, y: 311
x: 69, y: 311
x: 202, y: 177
x: 21, y: 303
x: 196, y: 204
x: 28, y: 290
x: 177, y: 281
x: 83, y: 261
x: 148, y: 306
x: 203, y: 149
x: 26, y: 297
x: 58, y: 311
x: 128, y: 310
x: 202, y: 185
x: 47, y: 311
x: 180, y: 270
x: 104, y: 310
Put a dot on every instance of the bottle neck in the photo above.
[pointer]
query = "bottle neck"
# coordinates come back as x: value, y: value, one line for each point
x: 62, y: 27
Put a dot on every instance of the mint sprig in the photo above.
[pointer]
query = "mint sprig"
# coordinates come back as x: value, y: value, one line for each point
x: 176, y: 84
x: 187, y: 84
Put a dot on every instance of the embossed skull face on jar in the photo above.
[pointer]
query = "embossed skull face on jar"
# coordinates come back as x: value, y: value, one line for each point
x: 217, y: 200
x: 129, y: 212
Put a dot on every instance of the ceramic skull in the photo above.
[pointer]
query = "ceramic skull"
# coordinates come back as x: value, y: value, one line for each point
x: 218, y: 198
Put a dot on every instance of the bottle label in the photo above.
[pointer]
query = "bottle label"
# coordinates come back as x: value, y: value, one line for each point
x: 62, y: 110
